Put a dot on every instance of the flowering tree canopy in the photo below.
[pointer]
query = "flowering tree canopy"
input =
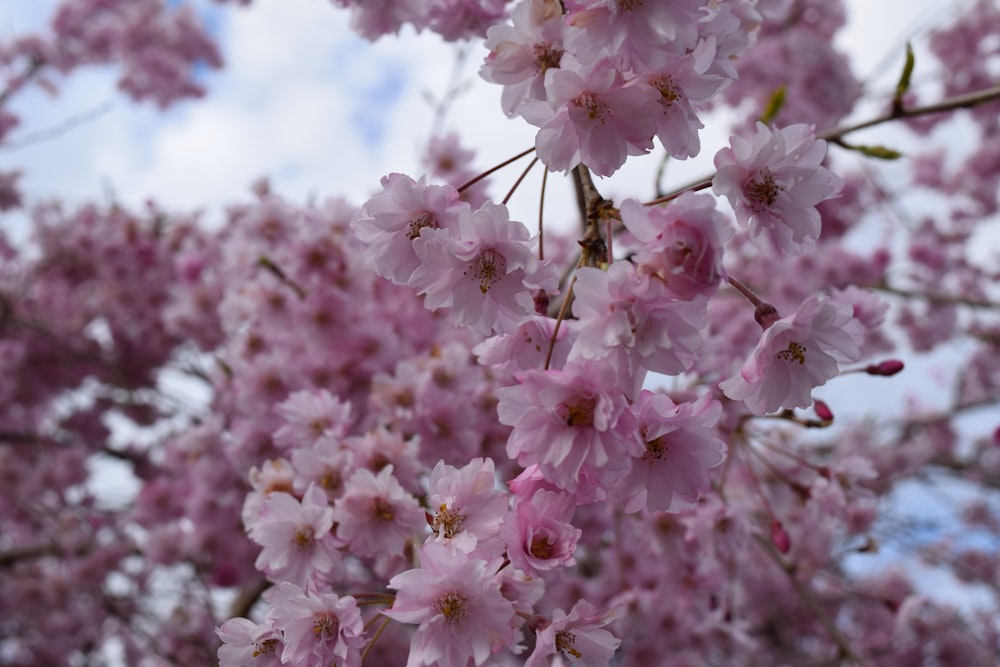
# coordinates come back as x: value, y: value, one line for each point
x: 434, y: 434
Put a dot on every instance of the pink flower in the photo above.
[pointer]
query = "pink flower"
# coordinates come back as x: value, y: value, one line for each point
x: 247, y: 643
x: 572, y: 422
x: 456, y: 601
x: 485, y: 272
x: 681, y: 244
x: 296, y: 537
x: 796, y: 354
x: 633, y: 33
x: 632, y: 315
x: 538, y: 534
x: 310, y: 415
x: 390, y: 222
x: 318, y: 629
x: 592, y: 116
x: 527, y: 346
x: 467, y: 507
x: 521, y: 54
x: 676, y: 446
x: 576, y: 638
x: 376, y: 516
x: 774, y: 181
x: 680, y: 83
x: 274, y: 475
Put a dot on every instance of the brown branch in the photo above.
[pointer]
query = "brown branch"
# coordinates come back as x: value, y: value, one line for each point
x: 247, y: 598
x: 937, y: 298
x: 966, y: 101
x: 18, y: 554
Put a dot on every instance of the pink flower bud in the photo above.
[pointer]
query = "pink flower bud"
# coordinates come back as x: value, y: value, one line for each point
x: 885, y: 368
x: 823, y: 411
x: 779, y: 537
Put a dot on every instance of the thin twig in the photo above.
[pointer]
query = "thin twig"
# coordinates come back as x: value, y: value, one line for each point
x: 809, y: 598
x: 520, y: 178
x: 469, y: 184
x: 965, y: 101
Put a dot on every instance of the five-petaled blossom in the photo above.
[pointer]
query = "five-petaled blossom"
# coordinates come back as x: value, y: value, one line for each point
x: 247, y: 643
x: 774, y: 181
x: 391, y: 221
x: 456, y: 600
x: 572, y: 422
x: 298, y: 546
x: 796, y: 354
x: 376, y: 515
x: 485, y: 271
x: 576, y: 638
x: 466, y: 507
x: 674, y: 448
x: 318, y: 629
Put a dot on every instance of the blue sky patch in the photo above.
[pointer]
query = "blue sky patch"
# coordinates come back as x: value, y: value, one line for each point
x: 374, y: 101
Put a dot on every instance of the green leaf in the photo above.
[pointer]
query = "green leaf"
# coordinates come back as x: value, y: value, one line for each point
x: 879, y: 152
x: 904, y: 78
x: 773, y: 106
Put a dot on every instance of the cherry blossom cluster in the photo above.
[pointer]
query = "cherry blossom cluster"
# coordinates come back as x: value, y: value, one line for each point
x: 601, y: 79
x: 396, y: 433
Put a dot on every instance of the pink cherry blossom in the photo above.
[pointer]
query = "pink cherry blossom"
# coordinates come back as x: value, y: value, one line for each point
x: 795, y: 355
x: 466, y: 506
x: 376, y: 516
x: 485, y: 272
x: 592, y: 116
x: 247, y: 643
x: 774, y: 181
x: 675, y: 448
x: 317, y: 629
x: 538, y: 533
x: 390, y: 222
x: 456, y: 601
x: 521, y: 54
x: 682, y: 82
x: 528, y: 346
x: 572, y: 422
x: 633, y: 33
x: 576, y: 638
x: 298, y: 545
x: 311, y: 415
x: 681, y: 243
x: 633, y: 316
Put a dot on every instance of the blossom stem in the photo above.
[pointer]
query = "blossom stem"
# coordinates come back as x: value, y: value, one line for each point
x: 378, y: 633
x: 267, y: 263
x: 541, y: 216
x: 693, y: 187
x: 517, y: 183
x: 764, y: 313
x: 555, y: 330
x: 469, y: 184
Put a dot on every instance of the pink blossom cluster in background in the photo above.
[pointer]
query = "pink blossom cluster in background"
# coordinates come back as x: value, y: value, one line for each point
x: 434, y: 435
